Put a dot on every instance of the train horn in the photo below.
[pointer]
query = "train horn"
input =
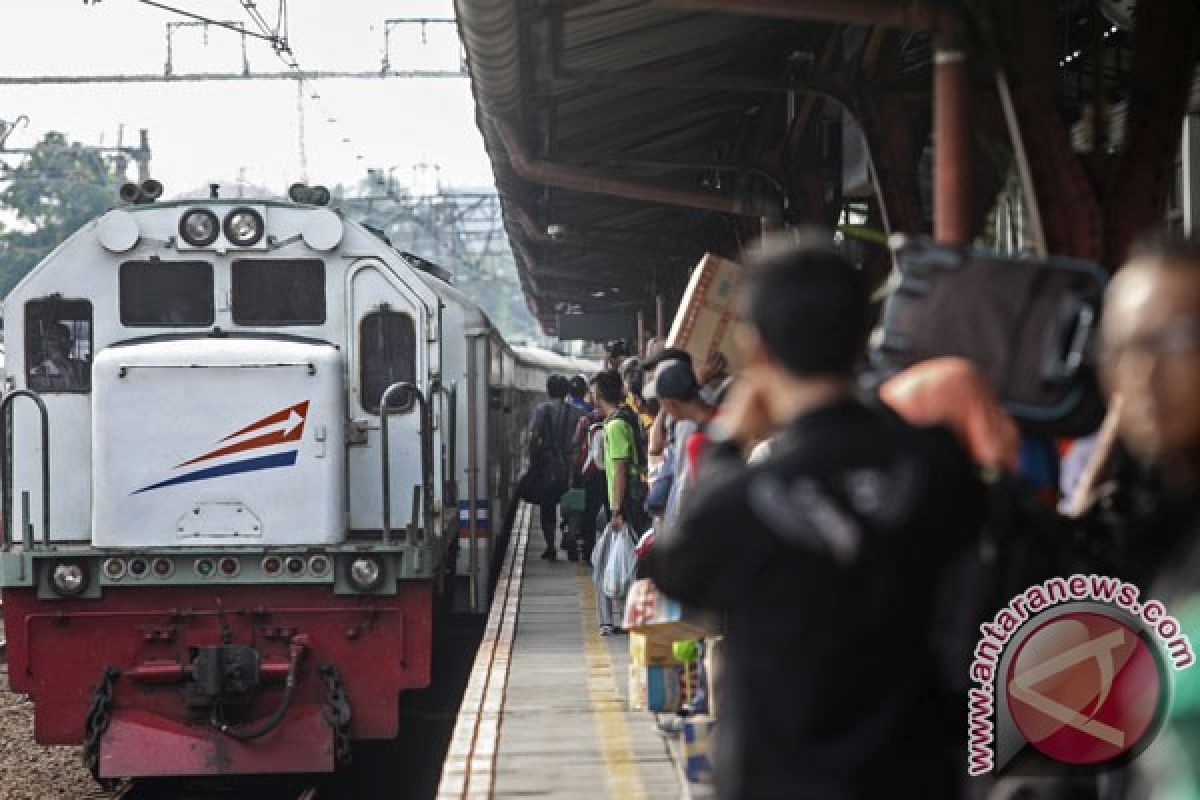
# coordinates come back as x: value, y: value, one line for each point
x: 308, y: 195
x: 130, y: 192
x: 151, y: 190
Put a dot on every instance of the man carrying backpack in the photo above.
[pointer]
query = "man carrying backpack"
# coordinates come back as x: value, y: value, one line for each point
x: 550, y: 458
x: 624, y: 454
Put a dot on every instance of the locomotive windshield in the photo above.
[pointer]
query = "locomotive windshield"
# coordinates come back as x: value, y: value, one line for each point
x: 58, y: 340
x: 166, y: 294
x: 278, y: 292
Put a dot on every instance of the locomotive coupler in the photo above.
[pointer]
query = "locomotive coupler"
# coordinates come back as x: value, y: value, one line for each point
x: 223, y: 675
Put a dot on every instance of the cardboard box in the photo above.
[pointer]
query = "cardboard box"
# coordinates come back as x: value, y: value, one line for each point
x: 655, y: 688
x: 704, y: 323
x: 698, y: 748
x: 650, y: 651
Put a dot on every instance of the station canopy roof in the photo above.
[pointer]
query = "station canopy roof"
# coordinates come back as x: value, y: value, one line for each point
x: 628, y: 137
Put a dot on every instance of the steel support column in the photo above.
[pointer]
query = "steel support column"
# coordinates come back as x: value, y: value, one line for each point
x: 953, y: 192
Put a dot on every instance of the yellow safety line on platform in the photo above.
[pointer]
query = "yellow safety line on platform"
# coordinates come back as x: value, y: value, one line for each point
x: 623, y: 776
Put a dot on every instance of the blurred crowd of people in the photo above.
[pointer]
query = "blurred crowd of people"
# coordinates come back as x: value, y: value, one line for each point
x: 851, y: 541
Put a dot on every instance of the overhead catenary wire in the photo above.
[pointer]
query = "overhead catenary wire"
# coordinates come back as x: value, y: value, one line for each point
x: 208, y: 21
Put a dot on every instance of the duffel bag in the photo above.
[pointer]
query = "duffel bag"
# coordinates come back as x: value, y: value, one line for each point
x: 1028, y: 325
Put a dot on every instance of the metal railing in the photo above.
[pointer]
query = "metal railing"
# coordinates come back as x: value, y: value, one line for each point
x: 426, y: 434
x: 5, y: 410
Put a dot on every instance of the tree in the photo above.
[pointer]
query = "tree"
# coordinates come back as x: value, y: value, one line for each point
x: 55, y: 190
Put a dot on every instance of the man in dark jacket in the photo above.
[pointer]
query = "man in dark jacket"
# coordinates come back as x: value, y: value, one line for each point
x: 824, y: 557
x: 551, y: 456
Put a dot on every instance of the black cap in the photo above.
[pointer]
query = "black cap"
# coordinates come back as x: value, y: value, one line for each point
x: 673, y: 380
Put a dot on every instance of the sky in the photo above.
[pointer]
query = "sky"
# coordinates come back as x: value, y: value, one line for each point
x: 247, y: 130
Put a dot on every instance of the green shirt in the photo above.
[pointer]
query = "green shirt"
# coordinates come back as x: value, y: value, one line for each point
x: 618, y: 446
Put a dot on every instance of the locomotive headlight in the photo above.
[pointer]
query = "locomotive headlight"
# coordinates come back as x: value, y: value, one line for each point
x: 199, y: 227
x: 69, y: 578
x: 366, y: 573
x: 243, y: 227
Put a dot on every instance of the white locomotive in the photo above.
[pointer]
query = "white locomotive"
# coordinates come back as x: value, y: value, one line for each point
x: 219, y: 556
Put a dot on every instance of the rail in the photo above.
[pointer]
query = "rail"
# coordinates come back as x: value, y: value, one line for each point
x: 5, y: 406
x: 385, y: 411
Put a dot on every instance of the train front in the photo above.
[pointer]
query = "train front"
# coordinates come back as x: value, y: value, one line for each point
x: 182, y: 592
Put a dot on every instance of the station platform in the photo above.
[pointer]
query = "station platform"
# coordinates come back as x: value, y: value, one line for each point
x: 545, y: 713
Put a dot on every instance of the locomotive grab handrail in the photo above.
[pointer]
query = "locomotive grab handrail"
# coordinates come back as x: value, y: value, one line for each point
x: 450, y: 443
x: 426, y: 454
x: 6, y: 493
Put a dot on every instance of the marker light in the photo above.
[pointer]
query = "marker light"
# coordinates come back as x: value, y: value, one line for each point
x: 199, y: 227
x: 230, y: 567
x: 271, y: 565
x: 114, y: 568
x: 244, y: 227
x: 318, y: 565
x: 205, y: 567
x: 163, y: 567
x: 366, y: 573
x: 137, y: 567
x: 295, y: 565
x: 69, y: 578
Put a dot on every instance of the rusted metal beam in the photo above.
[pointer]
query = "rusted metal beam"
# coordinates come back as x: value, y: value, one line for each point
x: 576, y: 239
x: 953, y: 194
x: 906, y: 14
x: 574, y: 80
x: 580, y: 179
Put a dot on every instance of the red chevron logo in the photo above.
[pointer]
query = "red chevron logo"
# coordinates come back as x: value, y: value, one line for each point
x: 285, y: 425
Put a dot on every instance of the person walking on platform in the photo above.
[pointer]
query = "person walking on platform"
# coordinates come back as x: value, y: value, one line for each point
x: 550, y: 458
x: 577, y: 392
x: 824, y: 558
x: 624, y: 459
x: 589, y: 444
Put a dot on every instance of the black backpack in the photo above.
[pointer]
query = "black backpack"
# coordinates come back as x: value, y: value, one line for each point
x: 548, y: 476
x: 1027, y: 325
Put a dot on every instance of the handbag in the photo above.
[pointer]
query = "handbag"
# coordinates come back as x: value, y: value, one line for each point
x: 574, y: 501
x: 620, y: 563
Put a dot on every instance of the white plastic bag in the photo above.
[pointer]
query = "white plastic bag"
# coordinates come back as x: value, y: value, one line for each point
x: 620, y: 563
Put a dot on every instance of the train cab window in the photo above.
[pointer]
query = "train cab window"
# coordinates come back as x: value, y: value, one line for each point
x: 388, y: 353
x: 58, y: 345
x: 279, y: 292
x: 166, y: 294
